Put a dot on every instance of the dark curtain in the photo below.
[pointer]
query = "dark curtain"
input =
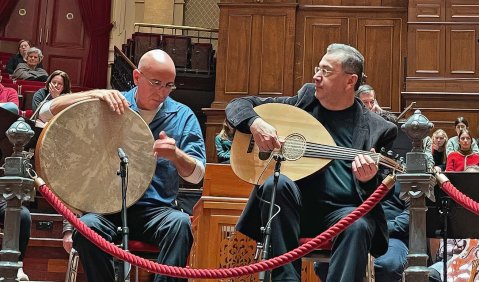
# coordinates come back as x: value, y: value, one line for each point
x: 96, y: 18
x: 6, y: 7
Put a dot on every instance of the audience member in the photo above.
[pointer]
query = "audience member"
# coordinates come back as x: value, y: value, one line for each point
x: 23, y: 46
x: 436, y: 146
x: 460, y: 159
x: 314, y: 203
x: 58, y: 83
x: 223, y: 142
x: 8, y: 98
x: 30, y: 70
x: 390, y: 266
x: 453, y: 143
x: 180, y: 150
x: 367, y: 95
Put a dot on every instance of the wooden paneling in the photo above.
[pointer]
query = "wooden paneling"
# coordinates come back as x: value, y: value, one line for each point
x: 320, y: 31
x: 25, y: 20
x: 264, y: 2
x: 378, y: 36
x: 462, y: 51
x: 272, y: 55
x: 56, y: 27
x: 426, y: 11
x: 238, y: 54
x: 462, y: 11
x: 255, y: 54
x: 442, y: 108
x: 217, y: 244
x: 444, y: 56
x: 426, y: 50
x: 392, y: 3
x: 377, y: 40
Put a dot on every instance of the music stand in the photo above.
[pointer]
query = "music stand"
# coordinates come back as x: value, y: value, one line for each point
x: 459, y: 223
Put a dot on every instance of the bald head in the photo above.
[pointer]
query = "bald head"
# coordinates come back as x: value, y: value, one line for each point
x: 156, y: 58
x: 155, y: 74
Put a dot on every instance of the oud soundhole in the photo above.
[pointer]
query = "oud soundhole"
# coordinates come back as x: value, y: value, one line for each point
x: 294, y: 146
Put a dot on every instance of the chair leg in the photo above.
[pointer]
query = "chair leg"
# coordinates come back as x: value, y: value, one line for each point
x: 136, y: 273
x: 370, y: 269
x: 72, y: 270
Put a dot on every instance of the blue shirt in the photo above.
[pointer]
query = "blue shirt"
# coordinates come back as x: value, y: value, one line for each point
x: 179, y: 122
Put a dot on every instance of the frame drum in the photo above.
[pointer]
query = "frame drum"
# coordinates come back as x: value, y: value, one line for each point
x: 77, y: 157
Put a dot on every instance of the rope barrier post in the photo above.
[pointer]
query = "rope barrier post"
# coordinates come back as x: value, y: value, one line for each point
x: 15, y: 187
x: 416, y: 185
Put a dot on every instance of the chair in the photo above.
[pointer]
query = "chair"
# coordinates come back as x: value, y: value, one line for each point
x: 135, y: 247
x: 27, y: 99
x: 178, y: 47
x: 323, y: 254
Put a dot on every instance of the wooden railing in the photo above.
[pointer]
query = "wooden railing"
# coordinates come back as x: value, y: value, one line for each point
x: 122, y: 72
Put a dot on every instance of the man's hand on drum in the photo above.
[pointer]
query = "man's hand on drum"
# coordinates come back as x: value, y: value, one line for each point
x: 115, y: 100
x: 165, y: 147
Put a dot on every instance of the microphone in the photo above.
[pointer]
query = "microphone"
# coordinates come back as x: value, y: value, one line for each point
x: 121, y: 154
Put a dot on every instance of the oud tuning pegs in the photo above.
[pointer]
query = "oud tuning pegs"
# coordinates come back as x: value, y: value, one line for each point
x: 390, y: 154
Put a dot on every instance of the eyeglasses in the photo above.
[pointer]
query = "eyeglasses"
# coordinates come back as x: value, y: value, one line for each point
x: 322, y: 72
x: 157, y: 84
x: 465, y: 138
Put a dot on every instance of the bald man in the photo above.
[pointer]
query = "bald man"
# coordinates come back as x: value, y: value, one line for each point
x: 180, y: 152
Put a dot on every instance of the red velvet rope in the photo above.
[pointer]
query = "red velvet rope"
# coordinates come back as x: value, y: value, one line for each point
x: 180, y: 272
x: 460, y: 198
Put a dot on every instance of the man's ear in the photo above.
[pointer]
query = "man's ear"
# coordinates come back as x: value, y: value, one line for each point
x: 136, y: 76
x: 353, y: 79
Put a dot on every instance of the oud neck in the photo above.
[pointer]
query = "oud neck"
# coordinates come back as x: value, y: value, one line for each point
x: 347, y: 154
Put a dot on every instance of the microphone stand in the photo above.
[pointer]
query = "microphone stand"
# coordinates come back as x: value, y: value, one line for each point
x: 124, y: 273
x: 265, y: 276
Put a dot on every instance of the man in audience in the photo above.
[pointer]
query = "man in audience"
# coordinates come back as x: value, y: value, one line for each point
x: 367, y: 95
x: 180, y: 150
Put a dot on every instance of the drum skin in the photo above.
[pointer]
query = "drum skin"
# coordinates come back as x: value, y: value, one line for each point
x: 77, y: 156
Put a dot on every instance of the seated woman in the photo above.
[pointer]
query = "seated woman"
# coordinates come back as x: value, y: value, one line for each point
x: 58, y: 83
x: 437, y: 147
x: 30, y: 70
x: 453, y: 142
x: 464, y: 157
x: 8, y: 98
x: 23, y: 46
x: 223, y: 143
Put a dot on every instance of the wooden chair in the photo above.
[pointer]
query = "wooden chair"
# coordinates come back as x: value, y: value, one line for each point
x: 323, y: 254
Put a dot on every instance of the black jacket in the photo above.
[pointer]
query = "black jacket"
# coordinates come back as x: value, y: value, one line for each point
x: 372, y: 131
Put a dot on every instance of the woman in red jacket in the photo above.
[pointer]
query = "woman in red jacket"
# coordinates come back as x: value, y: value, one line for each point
x: 464, y: 157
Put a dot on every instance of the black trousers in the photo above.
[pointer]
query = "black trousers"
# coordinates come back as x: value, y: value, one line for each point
x: 25, y: 224
x: 296, y: 217
x: 165, y: 227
